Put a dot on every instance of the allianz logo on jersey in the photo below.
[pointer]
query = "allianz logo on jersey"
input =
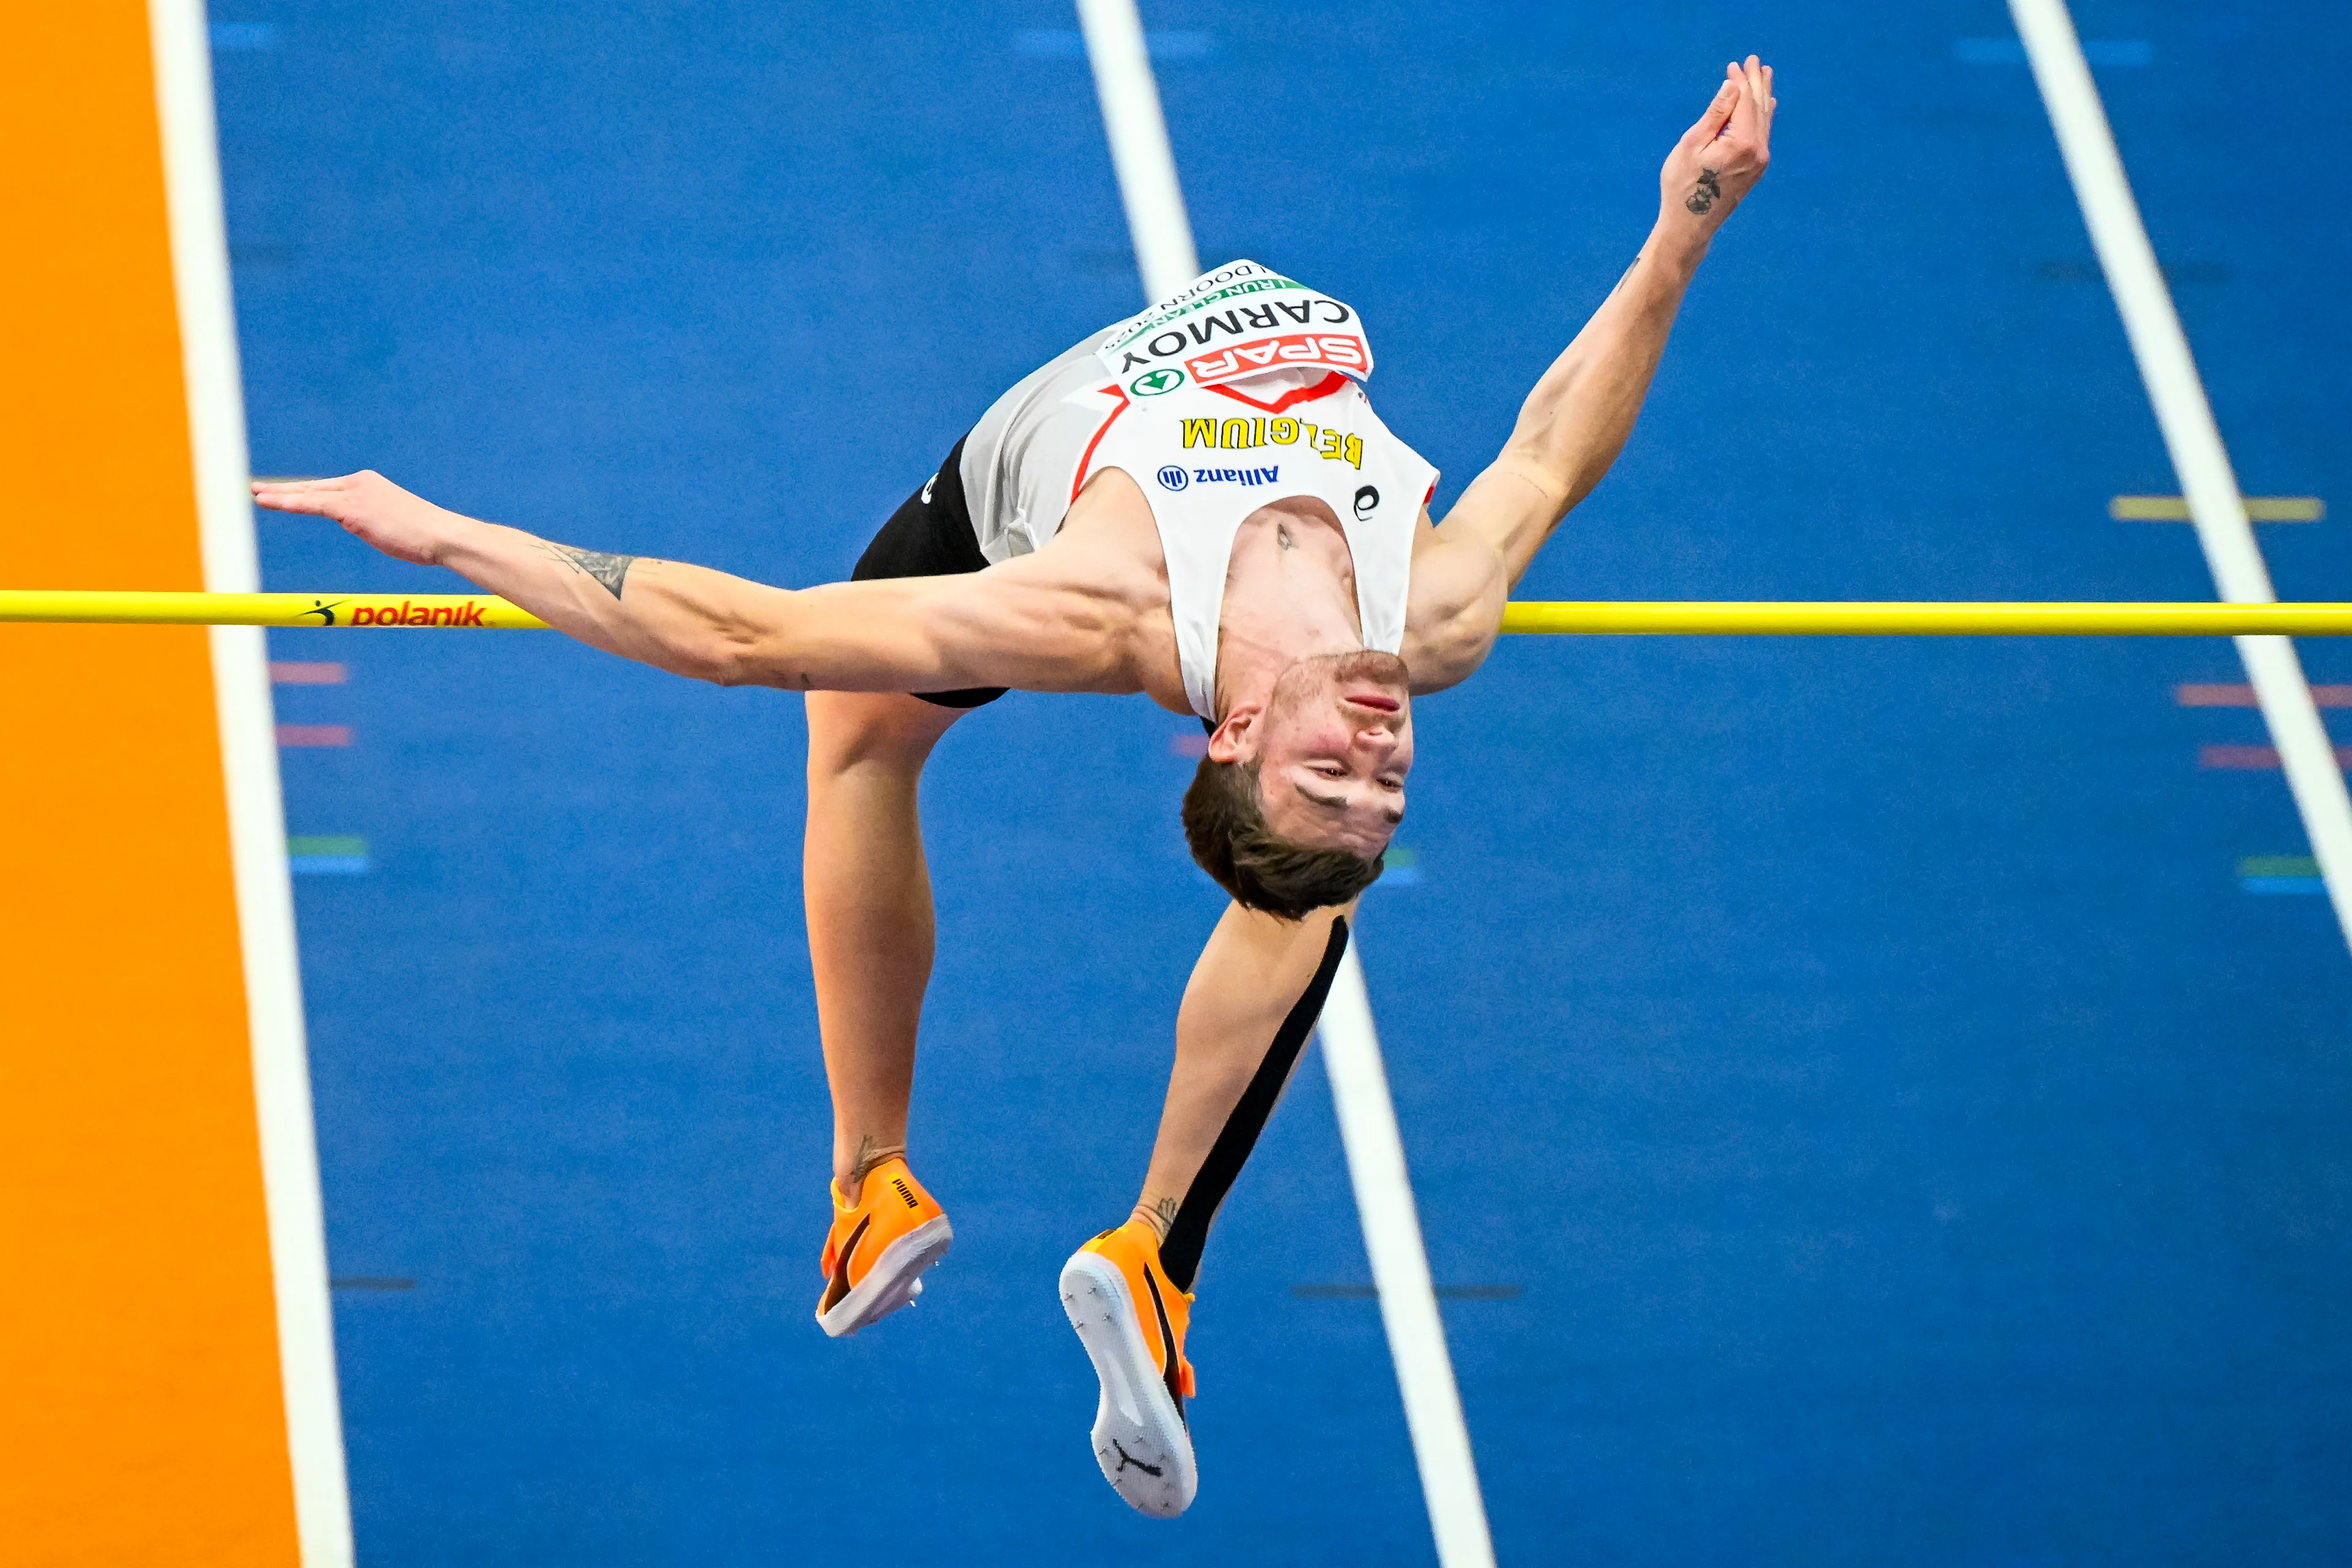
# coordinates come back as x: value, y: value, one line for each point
x: 1176, y: 479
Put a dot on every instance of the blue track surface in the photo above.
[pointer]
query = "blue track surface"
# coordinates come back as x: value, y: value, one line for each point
x: 1910, y: 1143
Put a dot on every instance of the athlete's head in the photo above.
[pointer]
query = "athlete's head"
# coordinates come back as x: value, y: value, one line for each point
x: 1298, y: 797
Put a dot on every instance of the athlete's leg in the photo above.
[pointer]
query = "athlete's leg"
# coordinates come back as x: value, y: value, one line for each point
x: 870, y: 925
x: 1253, y: 998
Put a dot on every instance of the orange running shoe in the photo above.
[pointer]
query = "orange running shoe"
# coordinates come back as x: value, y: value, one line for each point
x: 878, y: 1247
x: 1132, y: 1322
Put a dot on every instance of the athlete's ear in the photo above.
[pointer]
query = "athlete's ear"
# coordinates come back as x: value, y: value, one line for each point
x: 1235, y: 739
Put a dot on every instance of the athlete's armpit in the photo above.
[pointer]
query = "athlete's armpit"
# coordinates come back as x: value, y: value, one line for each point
x: 1454, y: 609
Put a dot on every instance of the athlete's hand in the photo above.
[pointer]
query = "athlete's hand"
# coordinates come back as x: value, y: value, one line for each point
x: 372, y: 506
x: 1719, y: 160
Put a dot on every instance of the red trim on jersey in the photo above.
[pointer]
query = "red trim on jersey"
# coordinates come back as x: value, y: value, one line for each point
x: 1323, y: 388
x: 1086, y: 458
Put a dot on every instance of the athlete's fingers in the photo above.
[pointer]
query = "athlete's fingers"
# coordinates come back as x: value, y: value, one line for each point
x: 1751, y: 122
x: 302, y: 486
x: 1718, y: 113
x: 1740, y: 123
x: 281, y: 495
x: 316, y: 504
x: 319, y: 497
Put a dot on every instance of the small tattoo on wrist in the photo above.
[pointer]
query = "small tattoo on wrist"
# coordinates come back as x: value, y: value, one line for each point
x: 1709, y: 191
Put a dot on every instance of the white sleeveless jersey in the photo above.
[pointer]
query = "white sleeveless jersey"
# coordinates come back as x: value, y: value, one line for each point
x: 1241, y: 389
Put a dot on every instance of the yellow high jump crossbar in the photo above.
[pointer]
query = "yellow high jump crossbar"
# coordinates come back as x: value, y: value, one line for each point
x: 1678, y: 618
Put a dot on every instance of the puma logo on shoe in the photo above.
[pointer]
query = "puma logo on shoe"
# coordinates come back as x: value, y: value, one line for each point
x: 901, y: 1188
x: 1125, y: 1458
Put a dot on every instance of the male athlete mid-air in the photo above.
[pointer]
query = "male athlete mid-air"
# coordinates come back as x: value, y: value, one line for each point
x: 1198, y: 505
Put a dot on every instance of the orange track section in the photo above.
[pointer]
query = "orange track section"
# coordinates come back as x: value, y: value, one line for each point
x: 142, y: 1420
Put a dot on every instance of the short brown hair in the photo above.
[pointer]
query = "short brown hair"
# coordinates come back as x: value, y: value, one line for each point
x: 1227, y: 828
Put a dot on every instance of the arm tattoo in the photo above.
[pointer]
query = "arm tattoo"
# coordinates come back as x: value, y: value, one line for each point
x: 609, y: 569
x: 1709, y: 191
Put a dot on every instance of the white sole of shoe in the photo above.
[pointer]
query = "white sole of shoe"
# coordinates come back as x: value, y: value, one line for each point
x: 1140, y: 1441
x: 894, y: 1281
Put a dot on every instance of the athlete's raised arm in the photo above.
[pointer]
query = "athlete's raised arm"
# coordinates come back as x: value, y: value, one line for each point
x: 1575, y: 422
x: 914, y: 634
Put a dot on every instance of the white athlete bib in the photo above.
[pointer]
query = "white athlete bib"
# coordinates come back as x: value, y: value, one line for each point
x: 1212, y: 429
x: 1240, y: 390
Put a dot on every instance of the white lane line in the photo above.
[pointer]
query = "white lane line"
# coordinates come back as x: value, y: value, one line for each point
x: 1129, y: 96
x: 1351, y: 1051
x: 265, y: 894
x: 2190, y: 435
x: 1433, y: 1405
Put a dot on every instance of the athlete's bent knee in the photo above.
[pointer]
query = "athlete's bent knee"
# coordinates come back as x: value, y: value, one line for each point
x: 851, y: 731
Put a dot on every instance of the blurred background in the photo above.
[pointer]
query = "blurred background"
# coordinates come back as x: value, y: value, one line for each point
x: 1869, y: 1101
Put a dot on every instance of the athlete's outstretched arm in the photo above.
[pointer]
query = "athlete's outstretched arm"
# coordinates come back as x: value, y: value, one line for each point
x: 1577, y: 419
x: 915, y: 634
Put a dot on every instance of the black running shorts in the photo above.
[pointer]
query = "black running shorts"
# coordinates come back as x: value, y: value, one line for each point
x: 931, y: 536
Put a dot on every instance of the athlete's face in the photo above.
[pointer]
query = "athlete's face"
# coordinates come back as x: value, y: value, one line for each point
x: 1333, y: 750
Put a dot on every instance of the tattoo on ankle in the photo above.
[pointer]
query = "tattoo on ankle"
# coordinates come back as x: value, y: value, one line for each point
x: 1159, y: 1216
x: 1709, y: 191
x: 872, y: 1151
x: 609, y: 569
